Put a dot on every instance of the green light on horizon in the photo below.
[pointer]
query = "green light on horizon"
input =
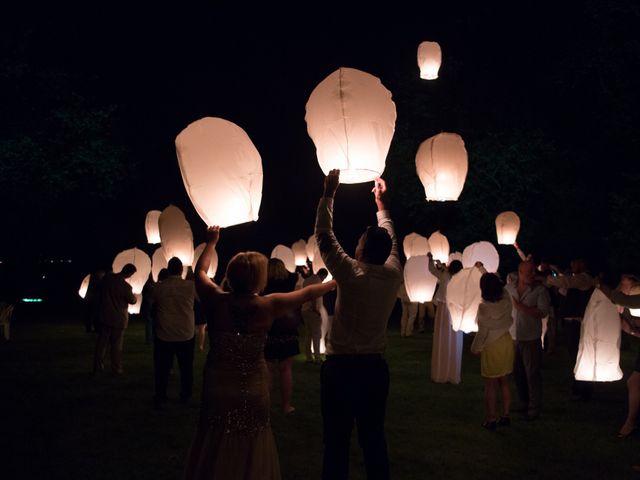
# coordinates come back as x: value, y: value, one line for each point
x: 32, y: 300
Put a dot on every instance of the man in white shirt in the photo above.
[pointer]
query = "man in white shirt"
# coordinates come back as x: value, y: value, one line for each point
x: 355, y: 376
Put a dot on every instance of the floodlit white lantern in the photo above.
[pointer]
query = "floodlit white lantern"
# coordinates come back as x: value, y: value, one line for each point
x: 285, y: 254
x: 135, y: 308
x: 311, y: 248
x: 415, y: 244
x: 213, y: 266
x: 418, y: 280
x: 429, y: 60
x: 158, y: 262
x: 151, y: 226
x: 599, y: 352
x: 318, y: 263
x: 441, y: 164
x: 454, y: 256
x: 351, y: 119
x: 300, y: 252
x: 175, y: 232
x: 507, y: 227
x: 483, y: 252
x: 439, y: 247
x: 221, y: 170
x: 463, y: 298
x: 84, y: 286
x: 142, y: 263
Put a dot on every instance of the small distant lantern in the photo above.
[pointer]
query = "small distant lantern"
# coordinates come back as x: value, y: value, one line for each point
x: 463, y: 298
x: 84, y: 286
x: 483, y: 252
x: 507, y: 227
x: 221, y: 170
x: 213, y: 266
x: 454, y: 256
x: 285, y: 254
x: 439, y: 247
x: 300, y: 252
x: 311, y: 248
x: 415, y: 244
x: 158, y: 262
x: 175, y: 232
x: 142, y: 263
x: 151, y: 226
x: 429, y: 60
x: 599, y: 351
x: 351, y: 120
x: 419, y: 282
x: 441, y: 164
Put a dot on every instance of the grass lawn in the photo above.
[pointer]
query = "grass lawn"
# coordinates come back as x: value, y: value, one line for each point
x: 59, y: 422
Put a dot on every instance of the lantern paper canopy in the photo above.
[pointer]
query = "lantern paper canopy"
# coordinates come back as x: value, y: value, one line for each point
x: 285, y: 254
x: 483, y: 252
x: 221, y: 170
x: 507, y: 227
x: 135, y: 308
x: 311, y: 248
x: 84, y: 286
x: 175, y: 232
x: 318, y: 263
x: 599, y: 352
x: 158, y: 262
x: 151, y: 226
x: 454, y: 256
x: 463, y: 298
x: 142, y: 263
x: 441, y: 164
x: 439, y: 247
x: 418, y: 280
x: 429, y: 60
x: 213, y: 266
x: 415, y: 244
x: 300, y: 252
x: 351, y: 119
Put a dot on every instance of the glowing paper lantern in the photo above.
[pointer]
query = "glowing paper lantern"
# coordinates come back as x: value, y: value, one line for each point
x: 221, y: 170
x: 158, y: 262
x: 429, y: 60
x: 300, y: 252
x: 418, y: 280
x: 635, y: 290
x: 463, y: 298
x: 286, y: 255
x: 213, y: 266
x: 351, y: 119
x: 599, y: 352
x: 142, y: 263
x: 151, y: 226
x: 483, y: 252
x: 318, y: 263
x: 507, y: 227
x: 454, y: 256
x: 415, y: 244
x: 311, y: 248
x: 441, y: 164
x: 84, y: 286
x: 175, y: 232
x: 439, y: 247
x: 135, y: 308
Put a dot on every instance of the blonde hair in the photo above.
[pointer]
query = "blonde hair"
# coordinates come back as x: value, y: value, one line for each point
x: 247, y: 272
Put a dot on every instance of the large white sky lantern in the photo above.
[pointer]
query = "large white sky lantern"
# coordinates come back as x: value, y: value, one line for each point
x: 311, y: 248
x: 151, y: 226
x: 441, y: 164
x: 84, y: 286
x: 439, y: 246
x: 318, y: 263
x: 599, y: 352
x: 300, y: 252
x: 285, y: 254
x: 175, y: 232
x: 142, y: 263
x: 415, y: 244
x: 454, y: 256
x: 483, y: 252
x: 158, y: 262
x: 429, y: 60
x: 463, y: 298
x: 213, y: 266
x: 507, y: 228
x: 221, y: 170
x: 351, y: 119
x: 418, y: 280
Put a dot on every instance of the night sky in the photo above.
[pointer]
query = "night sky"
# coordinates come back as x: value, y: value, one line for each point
x: 545, y: 97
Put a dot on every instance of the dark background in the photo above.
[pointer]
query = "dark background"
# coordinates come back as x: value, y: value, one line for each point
x: 544, y: 94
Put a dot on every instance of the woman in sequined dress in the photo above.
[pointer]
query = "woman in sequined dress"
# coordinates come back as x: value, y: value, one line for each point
x: 233, y: 438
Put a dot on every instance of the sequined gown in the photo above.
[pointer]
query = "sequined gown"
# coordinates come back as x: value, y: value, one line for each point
x: 234, y: 439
